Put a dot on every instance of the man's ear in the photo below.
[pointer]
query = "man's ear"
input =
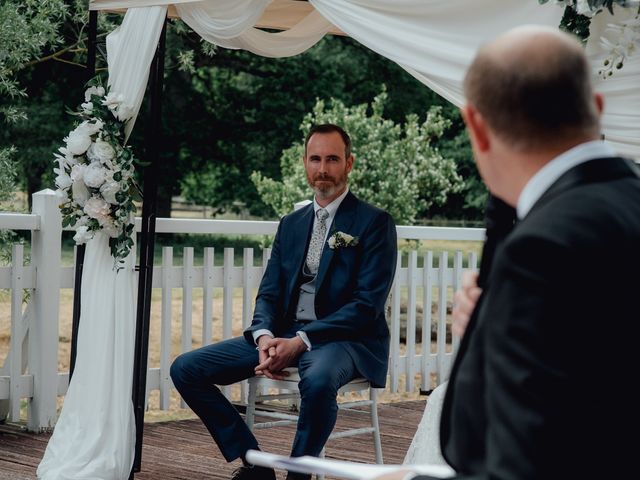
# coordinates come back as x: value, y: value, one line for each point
x: 477, y: 128
x: 598, y: 99
x: 350, y: 161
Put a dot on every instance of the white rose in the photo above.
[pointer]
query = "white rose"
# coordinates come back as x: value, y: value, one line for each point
x: 87, y: 108
x: 99, y: 91
x: 332, y: 242
x: 94, y: 175
x: 347, y: 238
x: 100, y: 151
x: 63, y: 180
x: 124, y: 112
x: 77, y: 172
x: 583, y: 8
x: 83, y: 235
x: 78, y: 141
x: 97, y: 208
x: 91, y: 128
x: 112, y: 100
x: 109, y: 228
x: 83, y: 221
x: 108, y: 191
x: 62, y: 197
x: 80, y: 192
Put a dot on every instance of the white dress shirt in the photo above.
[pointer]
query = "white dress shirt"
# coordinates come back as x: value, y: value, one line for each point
x: 544, y: 178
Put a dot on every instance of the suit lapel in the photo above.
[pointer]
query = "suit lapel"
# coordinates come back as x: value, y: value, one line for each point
x: 300, y: 241
x: 342, y: 222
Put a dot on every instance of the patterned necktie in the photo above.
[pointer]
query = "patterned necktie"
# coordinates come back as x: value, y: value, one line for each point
x: 317, y: 241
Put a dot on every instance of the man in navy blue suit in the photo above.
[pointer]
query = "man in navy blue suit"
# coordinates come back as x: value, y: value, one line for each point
x: 320, y: 308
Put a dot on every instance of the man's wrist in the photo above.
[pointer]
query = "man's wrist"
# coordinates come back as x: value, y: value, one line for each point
x: 305, y: 339
x: 259, y: 333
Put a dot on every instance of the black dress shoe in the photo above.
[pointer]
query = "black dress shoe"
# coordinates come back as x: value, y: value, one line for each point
x: 253, y: 472
x: 298, y: 476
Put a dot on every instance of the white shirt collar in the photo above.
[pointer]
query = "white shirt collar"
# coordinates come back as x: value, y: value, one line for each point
x: 547, y: 175
x: 332, y: 208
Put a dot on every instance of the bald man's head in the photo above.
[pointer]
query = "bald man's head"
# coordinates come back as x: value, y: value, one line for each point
x: 532, y: 85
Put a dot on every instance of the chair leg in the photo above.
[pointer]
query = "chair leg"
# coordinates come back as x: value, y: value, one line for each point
x: 251, y: 405
x: 373, y: 396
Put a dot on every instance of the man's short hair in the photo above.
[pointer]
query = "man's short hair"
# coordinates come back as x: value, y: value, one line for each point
x: 535, y: 101
x: 330, y: 128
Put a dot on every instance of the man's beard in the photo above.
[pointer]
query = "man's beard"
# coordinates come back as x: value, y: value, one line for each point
x: 328, y: 185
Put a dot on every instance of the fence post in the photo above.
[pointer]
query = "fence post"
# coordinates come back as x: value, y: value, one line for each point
x: 46, y: 247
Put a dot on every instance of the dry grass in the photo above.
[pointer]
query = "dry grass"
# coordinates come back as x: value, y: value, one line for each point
x: 175, y: 411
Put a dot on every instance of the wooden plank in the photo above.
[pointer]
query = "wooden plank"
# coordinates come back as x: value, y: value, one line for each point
x: 184, y: 450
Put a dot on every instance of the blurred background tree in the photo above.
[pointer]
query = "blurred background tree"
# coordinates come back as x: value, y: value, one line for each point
x: 396, y: 166
x: 225, y: 115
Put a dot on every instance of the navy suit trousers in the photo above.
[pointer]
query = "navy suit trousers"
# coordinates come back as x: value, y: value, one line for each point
x: 323, y: 370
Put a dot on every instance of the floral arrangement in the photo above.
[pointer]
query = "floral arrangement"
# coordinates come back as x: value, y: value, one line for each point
x: 94, y: 173
x: 624, y: 37
x: 340, y: 240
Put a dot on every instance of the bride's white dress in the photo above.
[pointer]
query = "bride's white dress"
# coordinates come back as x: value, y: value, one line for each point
x: 425, y: 446
x: 94, y: 437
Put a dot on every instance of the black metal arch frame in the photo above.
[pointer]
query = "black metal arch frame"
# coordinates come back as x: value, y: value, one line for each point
x: 153, y: 139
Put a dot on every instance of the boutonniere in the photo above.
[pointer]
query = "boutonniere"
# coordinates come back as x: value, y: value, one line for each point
x: 341, y: 239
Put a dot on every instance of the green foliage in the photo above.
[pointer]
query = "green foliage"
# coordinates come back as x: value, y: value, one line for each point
x: 8, y: 172
x: 396, y: 166
x: 226, y: 113
x: 27, y: 27
x: 469, y: 202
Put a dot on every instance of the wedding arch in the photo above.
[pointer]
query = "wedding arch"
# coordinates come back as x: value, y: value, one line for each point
x: 433, y: 40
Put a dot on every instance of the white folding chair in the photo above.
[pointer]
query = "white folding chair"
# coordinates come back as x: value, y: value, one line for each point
x: 258, y: 394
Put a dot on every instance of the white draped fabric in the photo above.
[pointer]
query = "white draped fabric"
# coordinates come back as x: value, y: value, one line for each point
x: 434, y: 40
x: 227, y: 25
x: 95, y: 434
x: 94, y: 438
x: 128, y: 66
x: 425, y: 446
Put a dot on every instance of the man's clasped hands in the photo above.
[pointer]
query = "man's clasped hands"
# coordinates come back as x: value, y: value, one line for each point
x: 276, y: 354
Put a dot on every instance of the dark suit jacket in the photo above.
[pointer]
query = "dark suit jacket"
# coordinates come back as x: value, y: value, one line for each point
x: 542, y: 384
x: 352, y: 284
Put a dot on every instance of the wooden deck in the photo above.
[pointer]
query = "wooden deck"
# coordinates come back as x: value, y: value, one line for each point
x: 184, y: 450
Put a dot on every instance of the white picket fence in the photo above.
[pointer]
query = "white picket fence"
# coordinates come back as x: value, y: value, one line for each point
x: 30, y: 369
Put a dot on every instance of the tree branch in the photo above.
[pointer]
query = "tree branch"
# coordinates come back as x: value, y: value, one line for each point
x: 56, y: 55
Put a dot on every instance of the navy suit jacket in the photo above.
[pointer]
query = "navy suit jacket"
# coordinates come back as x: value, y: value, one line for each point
x: 543, y: 383
x: 352, y: 284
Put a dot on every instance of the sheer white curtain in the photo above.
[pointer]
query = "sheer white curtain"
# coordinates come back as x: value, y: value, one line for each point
x: 223, y: 23
x: 94, y: 437
x: 435, y: 40
x: 95, y: 433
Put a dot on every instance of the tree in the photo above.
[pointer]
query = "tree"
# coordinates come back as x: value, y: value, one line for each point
x: 396, y: 167
x: 40, y: 40
x: 7, y: 187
